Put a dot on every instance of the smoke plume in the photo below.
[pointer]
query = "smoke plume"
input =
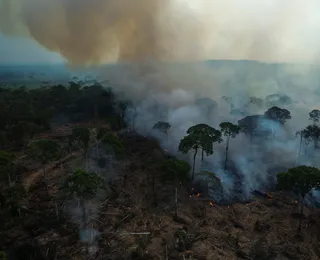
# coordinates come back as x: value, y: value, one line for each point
x: 98, y: 31
x: 151, y: 34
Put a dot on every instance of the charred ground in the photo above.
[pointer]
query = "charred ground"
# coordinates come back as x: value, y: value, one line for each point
x: 136, y: 220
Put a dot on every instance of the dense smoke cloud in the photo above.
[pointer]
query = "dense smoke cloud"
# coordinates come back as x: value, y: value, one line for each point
x: 147, y: 33
x: 88, y: 32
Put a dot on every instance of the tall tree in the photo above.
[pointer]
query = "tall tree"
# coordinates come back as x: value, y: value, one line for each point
x: 249, y: 125
x: 162, y: 127
x: 82, y: 135
x: 7, y: 165
x: 303, y: 136
x: 278, y: 100
x: 12, y: 198
x: 206, y: 105
x: 44, y: 151
x: 312, y: 133
x: 84, y: 185
x: 314, y: 115
x: 177, y: 171
x: 200, y: 136
x: 256, y: 101
x: 300, y: 180
x: 229, y: 130
x: 278, y: 114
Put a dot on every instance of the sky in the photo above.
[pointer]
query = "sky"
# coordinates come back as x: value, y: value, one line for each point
x: 98, y: 31
x: 19, y: 50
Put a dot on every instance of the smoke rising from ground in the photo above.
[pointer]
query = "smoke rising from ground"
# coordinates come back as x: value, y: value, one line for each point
x: 148, y: 32
x: 89, y: 32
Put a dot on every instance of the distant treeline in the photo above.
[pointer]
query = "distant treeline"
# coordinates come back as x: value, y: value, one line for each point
x: 25, y: 112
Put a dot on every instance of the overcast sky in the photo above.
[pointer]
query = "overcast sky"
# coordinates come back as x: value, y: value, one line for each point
x: 24, y: 51
x: 89, y: 32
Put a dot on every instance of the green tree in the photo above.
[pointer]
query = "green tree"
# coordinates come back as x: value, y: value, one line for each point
x: 83, y: 185
x: 113, y: 141
x: 312, y: 133
x: 214, y: 183
x: 82, y: 135
x: 3, y: 255
x: 256, y: 101
x: 177, y: 171
x: 200, y: 136
x: 44, y: 151
x: 229, y: 130
x: 278, y: 114
x: 7, y: 165
x: 11, y: 198
x: 249, y: 125
x: 303, y: 136
x: 162, y: 127
x: 299, y: 180
x: 206, y: 105
x: 314, y: 115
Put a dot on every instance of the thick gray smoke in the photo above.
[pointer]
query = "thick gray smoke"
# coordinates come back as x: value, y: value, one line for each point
x: 97, y: 31
x: 148, y: 32
x: 170, y: 93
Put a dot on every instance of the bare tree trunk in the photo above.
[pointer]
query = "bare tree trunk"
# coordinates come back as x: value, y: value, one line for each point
x: 227, y: 149
x: 194, y: 163
x: 176, y: 203
x: 84, y: 224
x: 301, y: 216
x: 44, y: 175
x: 86, y: 159
x: 202, y: 154
x: 57, y: 211
x: 154, y: 188
x: 300, y: 146
x: 9, y: 178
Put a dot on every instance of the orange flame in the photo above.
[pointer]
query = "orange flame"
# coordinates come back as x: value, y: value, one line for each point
x: 211, y: 204
x: 198, y: 194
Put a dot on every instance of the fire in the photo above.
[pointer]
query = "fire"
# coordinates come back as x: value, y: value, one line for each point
x: 211, y: 203
x: 198, y: 194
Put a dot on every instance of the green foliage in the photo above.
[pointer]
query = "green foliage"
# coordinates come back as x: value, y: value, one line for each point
x: 312, y: 133
x: 44, y: 150
x: 200, y: 136
x: 256, y: 101
x: 101, y: 132
x: 83, y: 184
x: 314, y: 115
x: 300, y: 180
x: 175, y: 170
x: 209, y: 177
x: 3, y: 255
x: 7, y: 164
x: 113, y: 141
x: 278, y: 114
x: 26, y: 111
x: 162, y: 127
x: 11, y: 197
x: 249, y: 124
x: 82, y: 135
x: 278, y: 100
x: 228, y: 129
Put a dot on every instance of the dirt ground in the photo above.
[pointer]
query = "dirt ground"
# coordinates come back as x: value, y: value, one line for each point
x: 132, y: 226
